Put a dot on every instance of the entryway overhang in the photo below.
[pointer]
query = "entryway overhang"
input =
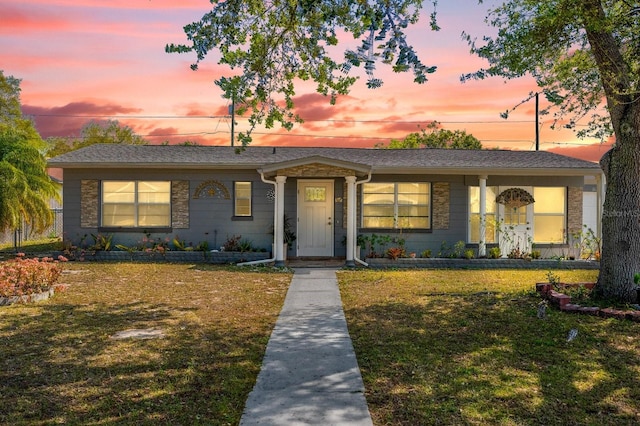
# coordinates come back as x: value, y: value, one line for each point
x: 316, y: 166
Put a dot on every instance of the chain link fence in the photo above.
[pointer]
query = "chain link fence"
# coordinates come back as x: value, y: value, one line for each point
x: 19, y: 236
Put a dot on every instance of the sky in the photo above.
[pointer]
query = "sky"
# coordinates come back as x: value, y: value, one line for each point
x: 83, y: 60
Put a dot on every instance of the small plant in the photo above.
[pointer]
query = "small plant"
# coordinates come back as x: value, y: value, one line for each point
x: 535, y: 254
x: 494, y: 253
x: 395, y: 252
x: 101, y: 242
x: 426, y: 253
x: 553, y: 279
x: 245, y: 245
x: 232, y: 243
x: 469, y: 254
x: 445, y: 250
x: 179, y: 244
x: 458, y: 249
x: 202, y: 246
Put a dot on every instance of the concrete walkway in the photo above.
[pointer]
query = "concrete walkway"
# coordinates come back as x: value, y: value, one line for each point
x: 309, y: 374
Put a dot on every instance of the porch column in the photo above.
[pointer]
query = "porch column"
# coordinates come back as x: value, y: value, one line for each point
x: 482, y: 243
x: 351, y: 220
x: 278, y: 232
x: 599, y: 203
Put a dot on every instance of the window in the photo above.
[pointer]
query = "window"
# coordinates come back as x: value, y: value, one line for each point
x: 396, y: 205
x: 242, y: 195
x: 490, y: 214
x: 549, y: 215
x: 136, y: 204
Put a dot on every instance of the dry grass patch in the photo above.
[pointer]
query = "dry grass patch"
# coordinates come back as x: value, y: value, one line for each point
x: 466, y: 347
x: 59, y: 363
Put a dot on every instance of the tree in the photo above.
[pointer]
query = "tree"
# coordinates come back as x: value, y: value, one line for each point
x: 275, y: 43
x: 435, y: 137
x: 95, y: 132
x: 25, y: 186
x: 584, y: 55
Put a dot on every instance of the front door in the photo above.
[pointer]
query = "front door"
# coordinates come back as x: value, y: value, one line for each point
x: 516, y: 231
x: 315, y: 218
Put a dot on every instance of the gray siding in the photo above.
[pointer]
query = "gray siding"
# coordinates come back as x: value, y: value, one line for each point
x: 211, y: 218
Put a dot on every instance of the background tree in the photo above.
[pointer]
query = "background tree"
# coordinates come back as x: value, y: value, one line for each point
x: 95, y: 132
x: 25, y: 186
x: 274, y: 43
x: 435, y: 137
x: 584, y: 55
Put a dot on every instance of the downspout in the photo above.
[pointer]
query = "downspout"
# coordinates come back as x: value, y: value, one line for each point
x: 273, y: 259
x: 355, y: 255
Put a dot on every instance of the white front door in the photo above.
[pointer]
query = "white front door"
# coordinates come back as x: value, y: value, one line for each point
x: 315, y: 218
x: 516, y: 230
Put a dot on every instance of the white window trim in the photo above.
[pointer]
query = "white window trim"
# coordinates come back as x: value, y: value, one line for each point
x: 135, y: 203
x: 396, y: 206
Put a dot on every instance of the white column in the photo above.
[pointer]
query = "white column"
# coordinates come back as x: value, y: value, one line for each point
x: 482, y: 246
x: 279, y: 222
x: 599, y: 203
x: 351, y: 219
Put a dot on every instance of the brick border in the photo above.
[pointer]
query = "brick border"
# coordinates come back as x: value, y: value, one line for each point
x: 563, y: 302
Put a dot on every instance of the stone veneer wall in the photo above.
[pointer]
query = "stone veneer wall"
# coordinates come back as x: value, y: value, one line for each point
x: 441, y: 202
x: 574, y: 207
x: 180, y: 204
x: 89, y: 203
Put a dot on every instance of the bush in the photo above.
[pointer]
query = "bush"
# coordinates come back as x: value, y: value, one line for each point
x: 22, y: 276
x: 494, y: 253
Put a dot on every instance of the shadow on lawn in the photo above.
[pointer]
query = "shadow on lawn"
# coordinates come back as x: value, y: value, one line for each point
x: 487, y: 359
x: 58, y: 364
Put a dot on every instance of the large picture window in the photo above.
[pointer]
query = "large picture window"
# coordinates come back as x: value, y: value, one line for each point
x: 549, y: 214
x: 396, y: 205
x: 490, y: 214
x: 136, y: 204
x: 242, y: 199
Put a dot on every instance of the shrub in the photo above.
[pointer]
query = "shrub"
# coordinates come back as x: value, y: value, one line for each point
x: 469, y: 254
x: 426, y: 253
x: 395, y: 252
x: 22, y: 276
x: 494, y: 253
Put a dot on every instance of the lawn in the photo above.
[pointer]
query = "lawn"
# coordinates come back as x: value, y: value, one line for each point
x: 59, y: 364
x: 466, y: 347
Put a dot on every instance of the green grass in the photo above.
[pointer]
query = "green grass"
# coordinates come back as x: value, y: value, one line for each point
x: 466, y: 347
x: 46, y: 245
x: 58, y: 363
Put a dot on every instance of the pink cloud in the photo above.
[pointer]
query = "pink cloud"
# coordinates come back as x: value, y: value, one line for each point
x: 67, y: 120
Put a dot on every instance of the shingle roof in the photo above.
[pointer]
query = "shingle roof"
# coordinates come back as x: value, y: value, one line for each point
x: 380, y: 160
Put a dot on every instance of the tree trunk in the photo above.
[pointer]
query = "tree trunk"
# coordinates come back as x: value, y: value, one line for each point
x: 620, y: 257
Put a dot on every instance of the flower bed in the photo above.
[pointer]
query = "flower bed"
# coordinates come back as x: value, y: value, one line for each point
x: 448, y: 263
x: 28, y: 280
x: 221, y: 257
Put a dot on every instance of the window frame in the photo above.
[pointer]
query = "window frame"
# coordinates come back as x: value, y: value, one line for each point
x: 136, y: 206
x: 237, y: 216
x: 397, y: 206
x: 565, y: 215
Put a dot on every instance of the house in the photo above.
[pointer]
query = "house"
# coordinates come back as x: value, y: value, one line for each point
x: 329, y: 196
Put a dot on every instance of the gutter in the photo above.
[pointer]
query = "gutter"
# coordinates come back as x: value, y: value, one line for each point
x: 355, y: 255
x: 273, y: 259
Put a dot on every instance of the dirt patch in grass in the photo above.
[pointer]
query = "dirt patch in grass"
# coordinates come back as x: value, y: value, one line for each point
x: 59, y: 365
x: 465, y: 347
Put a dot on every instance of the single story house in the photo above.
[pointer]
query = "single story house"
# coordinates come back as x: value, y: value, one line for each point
x: 328, y: 197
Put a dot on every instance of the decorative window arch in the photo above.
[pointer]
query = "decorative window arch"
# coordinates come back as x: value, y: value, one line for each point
x: 515, y: 197
x: 211, y: 189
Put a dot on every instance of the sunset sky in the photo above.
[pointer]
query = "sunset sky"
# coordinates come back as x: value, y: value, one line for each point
x: 82, y: 60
